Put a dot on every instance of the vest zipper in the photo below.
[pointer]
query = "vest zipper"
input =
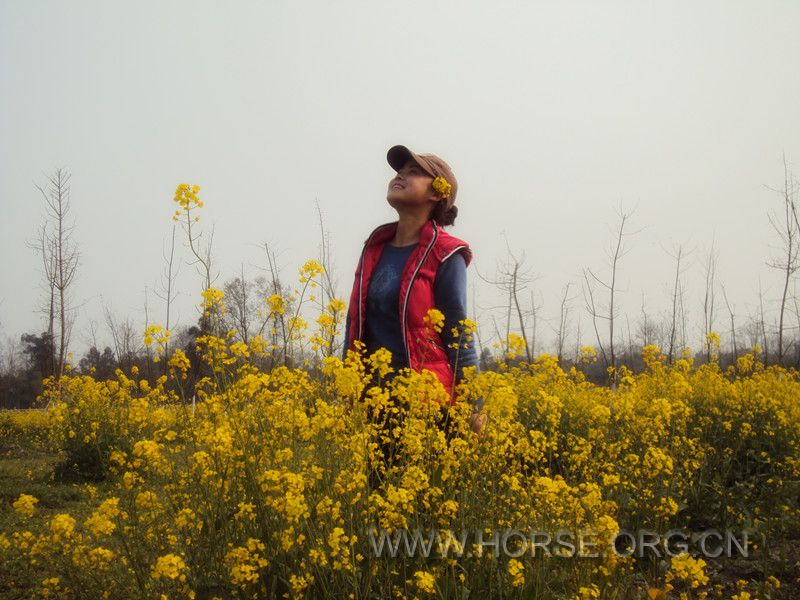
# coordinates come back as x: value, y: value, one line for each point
x: 361, y: 282
x: 404, y: 312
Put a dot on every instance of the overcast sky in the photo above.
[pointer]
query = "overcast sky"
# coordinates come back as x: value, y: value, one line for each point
x: 551, y: 114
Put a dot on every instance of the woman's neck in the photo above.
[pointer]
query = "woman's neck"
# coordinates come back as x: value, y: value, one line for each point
x: 408, y: 228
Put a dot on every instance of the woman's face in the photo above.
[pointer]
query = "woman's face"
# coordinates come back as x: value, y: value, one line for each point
x: 410, y: 187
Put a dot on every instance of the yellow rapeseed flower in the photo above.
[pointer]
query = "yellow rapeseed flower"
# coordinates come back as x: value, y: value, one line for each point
x: 245, y: 562
x: 688, y: 570
x: 276, y: 304
x: 102, y: 521
x: 517, y: 572
x: 441, y: 185
x: 212, y: 300
x: 180, y: 362
x: 425, y: 582
x: 434, y: 319
x: 309, y: 270
x: 62, y: 527
x: 25, y: 505
x: 169, y: 566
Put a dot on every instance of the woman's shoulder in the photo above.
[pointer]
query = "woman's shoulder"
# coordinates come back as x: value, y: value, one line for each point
x: 445, y: 238
x: 448, y: 245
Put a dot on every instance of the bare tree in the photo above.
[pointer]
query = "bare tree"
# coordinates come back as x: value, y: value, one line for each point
x: 535, y: 310
x: 563, y: 318
x: 616, y: 253
x: 710, y: 269
x: 683, y: 316
x: 797, y: 316
x: 733, y: 323
x: 647, y: 329
x: 11, y: 358
x: 279, y: 332
x: 513, y: 288
x: 167, y: 291
x: 763, y: 322
x: 497, y: 333
x: 60, y: 259
x: 477, y: 334
x: 677, y: 295
x: 577, y: 341
x: 752, y: 331
x: 329, y: 283
x: 643, y: 331
x: 240, y: 305
x: 124, y: 336
x: 630, y: 339
x: 513, y: 279
x: 592, y: 309
x: 90, y: 337
x: 148, y: 353
x: 45, y: 247
x: 788, y: 229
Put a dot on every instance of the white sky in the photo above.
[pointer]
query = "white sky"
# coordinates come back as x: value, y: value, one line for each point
x: 552, y: 114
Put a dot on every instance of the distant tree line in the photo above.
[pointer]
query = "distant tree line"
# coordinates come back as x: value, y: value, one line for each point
x: 517, y: 332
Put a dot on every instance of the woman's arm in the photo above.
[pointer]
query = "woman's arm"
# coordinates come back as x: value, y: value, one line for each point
x: 450, y: 295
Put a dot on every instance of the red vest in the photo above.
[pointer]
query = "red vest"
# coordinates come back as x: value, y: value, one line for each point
x: 424, y: 347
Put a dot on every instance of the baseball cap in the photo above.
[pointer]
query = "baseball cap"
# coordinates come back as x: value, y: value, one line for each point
x: 397, y: 156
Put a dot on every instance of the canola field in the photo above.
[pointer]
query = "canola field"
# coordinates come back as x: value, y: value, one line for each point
x: 339, y: 482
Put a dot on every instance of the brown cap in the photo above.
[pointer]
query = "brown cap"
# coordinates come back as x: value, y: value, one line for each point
x: 430, y: 163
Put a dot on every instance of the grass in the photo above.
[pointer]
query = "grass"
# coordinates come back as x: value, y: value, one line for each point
x: 29, y: 468
x: 27, y: 471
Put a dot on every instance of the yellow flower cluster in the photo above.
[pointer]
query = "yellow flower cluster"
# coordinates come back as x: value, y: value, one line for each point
x: 309, y: 271
x: 245, y: 562
x: 516, y: 571
x: 61, y: 528
x: 425, y: 582
x: 212, y: 301
x: 103, y: 520
x: 515, y: 346
x: 276, y: 304
x: 443, y: 188
x: 588, y: 355
x: 180, y: 362
x: 186, y: 198
x: 434, y: 319
x: 688, y: 570
x: 99, y: 559
x: 25, y: 505
x: 169, y: 566
x: 380, y: 362
x: 462, y: 333
x: 156, y: 333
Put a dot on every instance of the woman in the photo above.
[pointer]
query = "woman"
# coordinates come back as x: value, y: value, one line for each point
x: 410, y: 266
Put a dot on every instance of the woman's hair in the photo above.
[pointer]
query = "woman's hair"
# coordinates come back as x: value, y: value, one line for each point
x: 444, y: 216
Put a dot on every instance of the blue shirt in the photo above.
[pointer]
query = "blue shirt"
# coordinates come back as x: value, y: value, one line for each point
x: 382, y: 323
